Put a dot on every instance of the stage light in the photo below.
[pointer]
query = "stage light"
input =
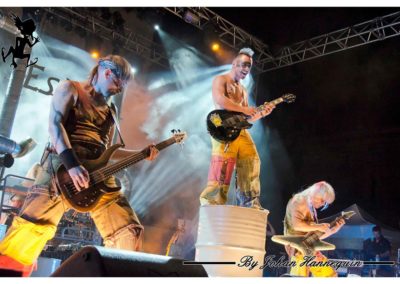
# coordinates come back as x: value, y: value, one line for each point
x: 133, y: 70
x: 191, y: 18
x: 156, y: 27
x: 94, y: 54
x: 215, y: 47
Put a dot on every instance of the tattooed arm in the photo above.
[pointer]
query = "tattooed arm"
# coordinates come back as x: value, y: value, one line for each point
x: 62, y: 101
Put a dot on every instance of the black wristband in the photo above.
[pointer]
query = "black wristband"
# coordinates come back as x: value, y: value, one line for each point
x: 69, y: 159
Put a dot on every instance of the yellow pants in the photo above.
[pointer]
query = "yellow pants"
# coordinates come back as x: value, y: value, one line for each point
x: 43, y: 209
x: 325, y: 271
x: 241, y: 153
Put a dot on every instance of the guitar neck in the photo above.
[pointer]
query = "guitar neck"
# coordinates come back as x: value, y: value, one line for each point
x: 274, y: 102
x: 334, y: 222
x: 262, y: 107
x: 331, y: 225
x: 132, y: 159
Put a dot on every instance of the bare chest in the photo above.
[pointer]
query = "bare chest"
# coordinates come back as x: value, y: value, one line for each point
x: 235, y: 92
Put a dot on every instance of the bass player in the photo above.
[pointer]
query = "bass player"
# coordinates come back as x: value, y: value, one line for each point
x: 81, y: 127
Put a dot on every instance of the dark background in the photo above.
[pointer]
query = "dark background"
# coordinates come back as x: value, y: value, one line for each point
x: 344, y: 126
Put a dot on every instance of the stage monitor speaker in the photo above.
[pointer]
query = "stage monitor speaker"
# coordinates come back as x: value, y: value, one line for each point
x: 94, y: 261
x: 10, y: 273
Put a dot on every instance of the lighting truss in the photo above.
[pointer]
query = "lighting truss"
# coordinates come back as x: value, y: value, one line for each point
x: 229, y: 34
x: 364, y: 33
x: 129, y: 40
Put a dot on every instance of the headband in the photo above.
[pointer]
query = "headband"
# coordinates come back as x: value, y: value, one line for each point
x: 110, y: 65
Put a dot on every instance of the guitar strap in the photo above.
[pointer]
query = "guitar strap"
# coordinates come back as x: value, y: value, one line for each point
x: 114, y: 116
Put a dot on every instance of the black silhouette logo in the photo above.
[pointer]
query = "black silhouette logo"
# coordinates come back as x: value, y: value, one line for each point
x: 26, y: 28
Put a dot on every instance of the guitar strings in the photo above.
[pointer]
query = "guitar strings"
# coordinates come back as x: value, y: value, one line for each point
x: 101, y: 174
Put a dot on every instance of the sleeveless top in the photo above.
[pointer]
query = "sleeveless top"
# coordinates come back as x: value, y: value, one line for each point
x: 86, y: 124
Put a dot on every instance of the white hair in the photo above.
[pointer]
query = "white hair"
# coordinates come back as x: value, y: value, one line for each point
x: 246, y: 51
x: 322, y: 189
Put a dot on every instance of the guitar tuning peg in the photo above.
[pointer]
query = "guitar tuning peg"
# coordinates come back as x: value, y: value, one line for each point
x: 173, y: 131
x: 179, y: 130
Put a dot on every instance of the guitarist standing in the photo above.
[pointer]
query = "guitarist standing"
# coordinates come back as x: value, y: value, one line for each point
x: 301, y: 218
x: 81, y: 127
x: 229, y: 94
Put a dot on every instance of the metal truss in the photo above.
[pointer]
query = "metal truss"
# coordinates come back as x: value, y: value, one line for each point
x: 129, y: 40
x: 370, y: 31
x: 229, y: 34
x: 364, y: 33
x: 367, y: 32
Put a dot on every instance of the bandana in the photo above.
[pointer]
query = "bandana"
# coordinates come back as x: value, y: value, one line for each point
x: 112, y: 66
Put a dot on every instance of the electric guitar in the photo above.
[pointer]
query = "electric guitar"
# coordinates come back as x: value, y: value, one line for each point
x: 225, y: 126
x: 99, y: 170
x: 310, y: 243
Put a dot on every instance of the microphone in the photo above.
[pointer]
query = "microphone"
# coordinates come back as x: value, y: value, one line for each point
x: 17, y: 150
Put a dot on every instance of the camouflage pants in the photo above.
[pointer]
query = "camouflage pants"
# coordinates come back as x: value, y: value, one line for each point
x: 43, y: 209
x: 242, y: 154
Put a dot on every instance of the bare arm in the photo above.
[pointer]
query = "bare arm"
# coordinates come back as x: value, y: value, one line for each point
x: 123, y: 153
x: 297, y: 213
x: 267, y: 109
x: 61, y: 103
x: 333, y: 230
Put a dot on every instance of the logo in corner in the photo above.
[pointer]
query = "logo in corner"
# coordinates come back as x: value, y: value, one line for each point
x: 26, y: 29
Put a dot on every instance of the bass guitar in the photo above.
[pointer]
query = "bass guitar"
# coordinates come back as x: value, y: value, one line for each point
x: 99, y: 170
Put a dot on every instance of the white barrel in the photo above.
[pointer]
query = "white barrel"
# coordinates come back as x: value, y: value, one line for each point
x: 231, y: 234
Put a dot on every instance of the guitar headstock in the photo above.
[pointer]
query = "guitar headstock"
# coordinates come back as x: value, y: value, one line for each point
x: 289, y: 98
x: 348, y: 215
x: 178, y: 135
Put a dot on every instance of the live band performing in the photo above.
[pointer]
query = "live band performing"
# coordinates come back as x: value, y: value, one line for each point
x: 175, y: 142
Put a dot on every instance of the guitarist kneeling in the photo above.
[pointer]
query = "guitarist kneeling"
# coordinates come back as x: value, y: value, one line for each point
x: 301, y: 220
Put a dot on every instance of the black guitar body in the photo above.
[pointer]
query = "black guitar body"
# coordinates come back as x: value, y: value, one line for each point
x: 225, y: 126
x: 99, y: 170
x: 86, y: 199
